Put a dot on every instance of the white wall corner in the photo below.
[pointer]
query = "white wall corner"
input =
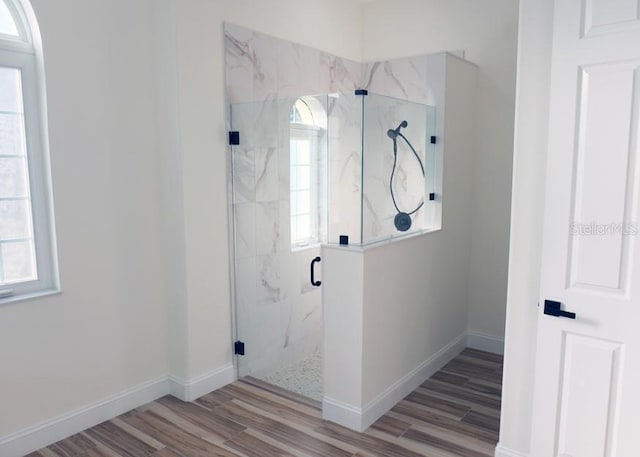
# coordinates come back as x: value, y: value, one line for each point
x: 189, y: 390
x: 359, y: 419
x: 50, y: 431
x: 485, y: 342
x: 502, y: 451
x: 342, y: 414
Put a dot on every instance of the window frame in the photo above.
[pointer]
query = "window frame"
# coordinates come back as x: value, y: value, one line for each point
x: 308, y: 121
x: 24, y: 40
x: 24, y: 54
x: 313, y: 134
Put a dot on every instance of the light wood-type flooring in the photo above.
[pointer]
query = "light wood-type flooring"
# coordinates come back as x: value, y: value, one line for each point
x: 455, y: 413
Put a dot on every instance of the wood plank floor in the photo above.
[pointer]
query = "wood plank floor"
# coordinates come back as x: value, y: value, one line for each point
x: 455, y: 413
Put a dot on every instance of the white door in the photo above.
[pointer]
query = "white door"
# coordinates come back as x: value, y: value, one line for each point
x: 587, y: 379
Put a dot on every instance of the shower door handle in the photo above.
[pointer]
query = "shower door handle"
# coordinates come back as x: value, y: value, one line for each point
x: 313, y: 276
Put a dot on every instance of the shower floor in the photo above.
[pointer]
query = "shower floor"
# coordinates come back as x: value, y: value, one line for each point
x: 303, y: 376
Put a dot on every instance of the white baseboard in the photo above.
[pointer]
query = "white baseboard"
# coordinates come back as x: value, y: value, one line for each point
x: 352, y: 417
x: 50, y: 431
x: 357, y: 419
x: 201, y: 385
x: 342, y: 413
x: 505, y: 452
x: 409, y: 382
x: 484, y: 342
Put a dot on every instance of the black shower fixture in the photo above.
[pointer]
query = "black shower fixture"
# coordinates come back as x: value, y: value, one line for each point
x: 402, y: 220
x: 393, y: 134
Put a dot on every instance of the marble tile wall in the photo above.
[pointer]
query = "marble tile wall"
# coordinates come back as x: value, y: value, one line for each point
x: 409, y: 184
x: 278, y: 312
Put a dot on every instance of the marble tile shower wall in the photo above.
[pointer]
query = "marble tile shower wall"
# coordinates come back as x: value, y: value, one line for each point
x: 382, y: 114
x: 278, y: 312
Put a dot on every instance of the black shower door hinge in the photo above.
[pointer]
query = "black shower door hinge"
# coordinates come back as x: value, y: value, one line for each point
x: 433, y: 140
x: 238, y: 348
x: 234, y: 138
x: 362, y: 92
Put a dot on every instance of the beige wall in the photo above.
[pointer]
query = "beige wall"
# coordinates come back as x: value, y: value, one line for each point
x: 137, y: 130
x: 140, y: 196
x: 106, y: 332
x: 486, y: 31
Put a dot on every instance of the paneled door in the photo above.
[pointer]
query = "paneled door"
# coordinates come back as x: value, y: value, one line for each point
x: 587, y: 379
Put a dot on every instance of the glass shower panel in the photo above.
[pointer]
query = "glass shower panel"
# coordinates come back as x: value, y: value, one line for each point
x: 398, y: 168
x: 345, y: 168
x: 278, y: 312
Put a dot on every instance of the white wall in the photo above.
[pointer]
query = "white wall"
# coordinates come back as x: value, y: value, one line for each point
x: 415, y: 290
x: 333, y: 26
x: 486, y: 31
x: 106, y: 332
x: 136, y: 188
x: 534, y: 62
x: 140, y: 193
x: 407, y: 315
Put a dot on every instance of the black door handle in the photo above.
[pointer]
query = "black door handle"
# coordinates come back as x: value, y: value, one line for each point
x: 552, y: 308
x: 313, y: 276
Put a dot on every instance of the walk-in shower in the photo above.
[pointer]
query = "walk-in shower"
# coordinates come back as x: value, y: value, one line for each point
x: 307, y: 171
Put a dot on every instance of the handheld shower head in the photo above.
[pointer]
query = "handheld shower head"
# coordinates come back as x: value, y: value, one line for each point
x: 393, y: 134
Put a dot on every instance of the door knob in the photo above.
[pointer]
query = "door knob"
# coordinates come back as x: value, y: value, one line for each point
x: 552, y: 308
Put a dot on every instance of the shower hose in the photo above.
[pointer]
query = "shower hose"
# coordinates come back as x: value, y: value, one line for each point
x: 402, y: 220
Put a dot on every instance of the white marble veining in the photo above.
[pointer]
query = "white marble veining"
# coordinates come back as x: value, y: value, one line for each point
x: 279, y: 313
x: 404, y: 79
x: 266, y: 174
x: 244, y: 182
x: 345, y: 75
x: 268, y: 278
x: 409, y: 185
x: 251, y: 64
x: 344, y: 167
x: 295, y: 77
x: 267, y: 228
x: 245, y: 230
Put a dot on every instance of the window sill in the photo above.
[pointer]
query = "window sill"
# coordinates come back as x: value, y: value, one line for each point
x: 29, y: 296
x: 306, y: 247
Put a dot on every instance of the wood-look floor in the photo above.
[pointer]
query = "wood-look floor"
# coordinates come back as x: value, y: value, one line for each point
x: 455, y: 413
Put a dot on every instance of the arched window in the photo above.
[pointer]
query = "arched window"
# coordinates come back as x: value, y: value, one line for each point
x: 27, y: 247
x: 307, y: 143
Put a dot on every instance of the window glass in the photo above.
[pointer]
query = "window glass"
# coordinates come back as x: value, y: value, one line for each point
x: 17, y: 260
x: 307, y: 146
x: 28, y: 266
x: 7, y: 23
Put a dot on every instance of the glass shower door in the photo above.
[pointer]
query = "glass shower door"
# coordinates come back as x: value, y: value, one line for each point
x: 278, y: 311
